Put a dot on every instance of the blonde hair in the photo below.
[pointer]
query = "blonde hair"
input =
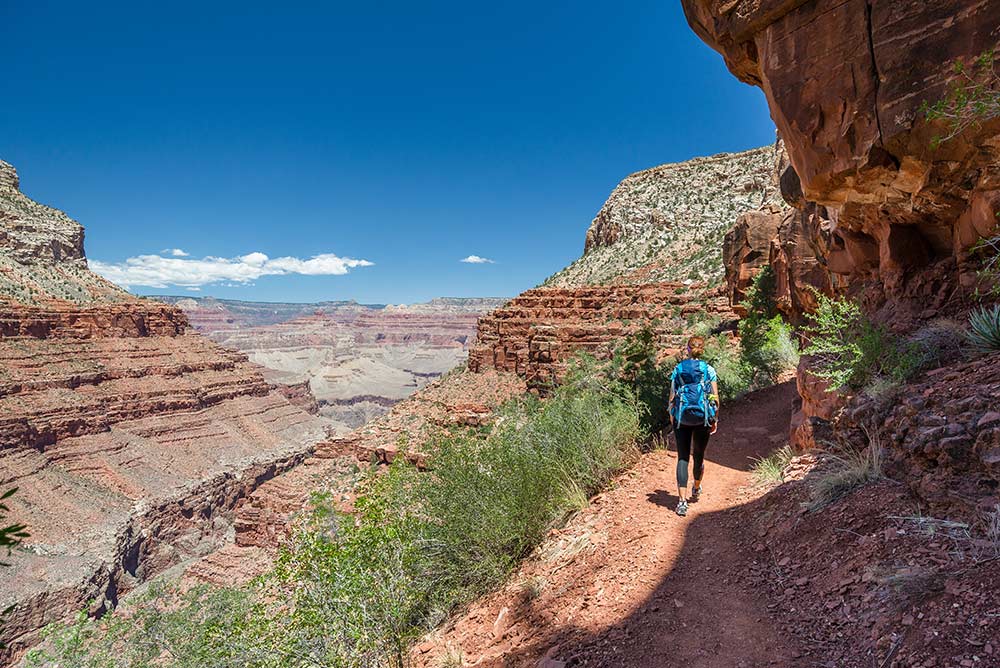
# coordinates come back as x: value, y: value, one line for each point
x: 696, y: 346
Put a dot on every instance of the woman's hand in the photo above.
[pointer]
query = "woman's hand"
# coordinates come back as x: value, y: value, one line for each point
x: 715, y: 427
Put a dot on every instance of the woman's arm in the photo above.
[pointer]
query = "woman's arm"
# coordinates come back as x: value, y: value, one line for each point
x: 715, y: 395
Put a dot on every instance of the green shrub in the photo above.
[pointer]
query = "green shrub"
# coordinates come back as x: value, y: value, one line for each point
x: 356, y: 590
x: 767, y: 345
x: 633, y: 364
x: 985, y: 325
x: 972, y: 98
x: 735, y: 375
x: 850, y: 350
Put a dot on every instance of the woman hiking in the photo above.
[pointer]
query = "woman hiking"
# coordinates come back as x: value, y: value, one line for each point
x: 694, y: 413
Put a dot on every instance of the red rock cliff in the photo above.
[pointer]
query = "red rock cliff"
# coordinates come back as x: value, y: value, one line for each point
x: 844, y: 81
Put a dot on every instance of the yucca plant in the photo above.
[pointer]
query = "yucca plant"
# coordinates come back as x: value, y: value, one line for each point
x: 985, y: 325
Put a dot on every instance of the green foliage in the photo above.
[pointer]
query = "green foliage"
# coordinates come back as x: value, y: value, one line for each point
x: 767, y: 346
x: 356, y: 590
x: 974, y: 97
x: 634, y: 365
x: 734, y: 376
x: 11, y: 536
x: 849, y: 350
x: 985, y: 325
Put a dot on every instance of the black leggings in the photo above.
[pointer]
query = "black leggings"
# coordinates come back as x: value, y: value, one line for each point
x: 685, y: 435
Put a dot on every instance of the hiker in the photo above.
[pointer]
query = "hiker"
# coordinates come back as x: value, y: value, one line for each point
x: 694, y: 414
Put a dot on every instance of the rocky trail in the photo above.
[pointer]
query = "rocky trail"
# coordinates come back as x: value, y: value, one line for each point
x: 629, y: 583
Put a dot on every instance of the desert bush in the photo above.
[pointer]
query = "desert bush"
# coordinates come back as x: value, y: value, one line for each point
x: 847, y: 467
x: 634, y: 364
x: 735, y: 375
x: 937, y: 343
x: 850, y: 350
x: 768, y: 470
x: 11, y: 535
x: 767, y: 346
x: 355, y: 590
x: 985, y: 325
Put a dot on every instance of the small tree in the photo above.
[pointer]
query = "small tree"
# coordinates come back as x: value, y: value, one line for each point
x: 10, y: 535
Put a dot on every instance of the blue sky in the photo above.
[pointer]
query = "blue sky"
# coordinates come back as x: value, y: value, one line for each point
x: 407, y: 135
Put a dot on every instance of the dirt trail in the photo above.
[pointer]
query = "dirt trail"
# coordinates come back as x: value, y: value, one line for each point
x: 629, y: 583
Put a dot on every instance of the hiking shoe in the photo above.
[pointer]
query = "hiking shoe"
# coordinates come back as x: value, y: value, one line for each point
x: 695, y: 495
x: 682, y: 508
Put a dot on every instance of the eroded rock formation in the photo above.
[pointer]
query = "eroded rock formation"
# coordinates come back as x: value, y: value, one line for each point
x: 131, y: 439
x: 845, y: 81
x: 357, y: 359
x: 538, y: 331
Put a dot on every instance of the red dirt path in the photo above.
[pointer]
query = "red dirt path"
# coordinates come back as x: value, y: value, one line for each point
x: 629, y: 583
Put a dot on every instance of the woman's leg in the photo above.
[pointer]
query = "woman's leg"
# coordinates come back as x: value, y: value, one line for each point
x: 683, y: 436
x: 700, y: 437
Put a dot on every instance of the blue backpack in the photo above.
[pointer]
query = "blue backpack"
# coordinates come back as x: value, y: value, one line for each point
x: 692, y: 406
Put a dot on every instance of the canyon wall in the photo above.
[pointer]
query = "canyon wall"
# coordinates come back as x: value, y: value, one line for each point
x: 356, y: 359
x: 845, y: 82
x: 541, y: 329
x: 887, y: 205
x: 131, y: 439
x: 652, y: 257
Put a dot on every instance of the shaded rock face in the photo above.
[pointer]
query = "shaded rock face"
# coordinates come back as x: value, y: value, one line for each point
x: 797, y: 243
x: 538, y: 331
x: 844, y: 82
x: 943, y: 434
x: 131, y: 439
x: 746, y: 250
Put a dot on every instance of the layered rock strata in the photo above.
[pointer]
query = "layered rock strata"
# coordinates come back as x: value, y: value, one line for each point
x: 538, y: 331
x: 357, y: 360
x: 131, y: 439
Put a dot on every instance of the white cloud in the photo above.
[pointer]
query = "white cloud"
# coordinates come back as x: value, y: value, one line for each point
x: 176, y: 252
x: 156, y: 271
x: 475, y: 259
x: 194, y: 289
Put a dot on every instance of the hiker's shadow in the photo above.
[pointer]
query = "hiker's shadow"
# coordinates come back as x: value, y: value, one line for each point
x: 663, y: 498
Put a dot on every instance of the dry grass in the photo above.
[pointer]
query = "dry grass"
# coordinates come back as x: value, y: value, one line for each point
x: 452, y: 658
x: 533, y: 586
x: 770, y: 470
x: 847, y: 468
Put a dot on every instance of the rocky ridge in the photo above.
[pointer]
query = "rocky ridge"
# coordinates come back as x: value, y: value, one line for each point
x: 536, y: 333
x: 666, y: 223
x: 131, y: 439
